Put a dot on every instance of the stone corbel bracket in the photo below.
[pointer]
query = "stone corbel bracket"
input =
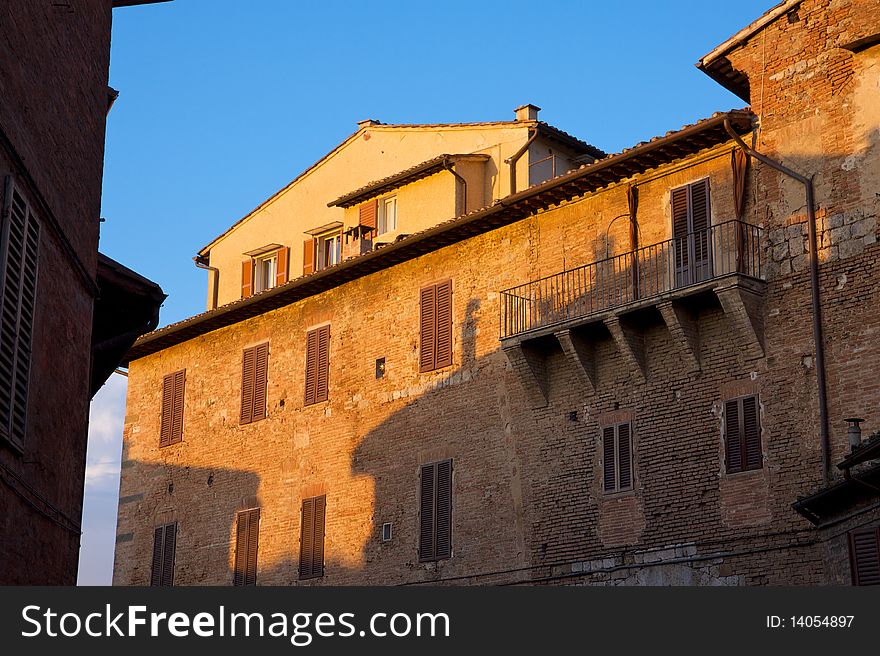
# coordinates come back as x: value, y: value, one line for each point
x: 581, y: 354
x: 630, y: 343
x: 530, y: 366
x: 685, y: 332
x: 742, y: 302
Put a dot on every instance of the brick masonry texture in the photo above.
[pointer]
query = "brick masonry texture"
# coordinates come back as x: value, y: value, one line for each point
x: 53, y: 101
x: 528, y: 505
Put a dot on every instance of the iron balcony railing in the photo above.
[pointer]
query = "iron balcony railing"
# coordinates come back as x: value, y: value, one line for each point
x: 725, y: 248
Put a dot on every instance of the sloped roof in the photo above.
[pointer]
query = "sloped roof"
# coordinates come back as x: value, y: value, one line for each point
x: 590, y: 177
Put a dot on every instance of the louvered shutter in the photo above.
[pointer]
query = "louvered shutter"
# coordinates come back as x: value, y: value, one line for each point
x: 428, y: 329
x: 367, y: 214
x: 322, y: 371
x: 318, y: 544
x: 164, y: 546
x: 247, y: 533
x: 443, y: 511
x: 308, y: 256
x: 311, y: 554
x: 864, y: 554
x: 158, y: 552
x: 624, y: 457
x: 751, y: 432
x: 311, y: 386
x: 426, y: 513
x: 248, y: 374
x: 444, y: 325
x: 247, y: 278
x: 261, y: 381
x: 732, y: 436
x: 19, y: 256
x: 167, y: 410
x: 609, y: 464
x: 699, y: 193
x: 680, y: 228
x: 177, y: 412
x: 282, y: 259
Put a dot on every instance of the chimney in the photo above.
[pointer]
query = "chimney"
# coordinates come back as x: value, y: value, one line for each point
x: 367, y: 122
x: 527, y: 112
x: 854, y: 432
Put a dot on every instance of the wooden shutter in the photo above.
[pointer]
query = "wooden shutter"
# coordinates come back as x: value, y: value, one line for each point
x: 248, y: 379
x: 435, y: 511
x: 247, y: 278
x: 426, y: 513
x: 261, y: 381
x: 308, y: 256
x: 699, y: 193
x: 680, y: 228
x: 282, y: 259
x: 19, y: 256
x: 171, y: 430
x: 317, y: 365
x: 609, y: 464
x: 443, y: 345
x: 367, y: 214
x: 624, y: 457
x: 864, y: 556
x: 751, y: 432
x: 164, y: 547
x: 733, y: 442
x: 428, y: 328
x: 247, y: 534
x: 443, y: 511
x: 311, y: 552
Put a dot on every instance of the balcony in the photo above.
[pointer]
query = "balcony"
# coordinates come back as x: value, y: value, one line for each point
x: 632, y: 278
x: 672, y: 278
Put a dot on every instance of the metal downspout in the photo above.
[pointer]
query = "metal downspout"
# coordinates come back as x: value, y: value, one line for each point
x: 515, y: 158
x: 448, y: 165
x: 202, y: 263
x: 814, y: 286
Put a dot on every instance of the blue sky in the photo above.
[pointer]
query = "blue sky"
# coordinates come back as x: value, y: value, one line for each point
x: 222, y: 102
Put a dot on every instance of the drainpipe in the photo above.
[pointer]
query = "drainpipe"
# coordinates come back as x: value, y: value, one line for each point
x: 515, y: 158
x: 814, y: 287
x: 202, y: 263
x: 448, y: 165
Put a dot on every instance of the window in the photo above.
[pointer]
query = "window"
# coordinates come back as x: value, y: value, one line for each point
x: 864, y: 555
x: 164, y: 546
x: 435, y: 511
x: 254, y: 383
x: 690, y: 232
x: 247, y: 534
x: 171, y: 431
x: 311, y: 544
x: 19, y: 252
x: 435, y: 326
x: 317, y: 365
x: 387, y: 215
x: 329, y: 250
x: 617, y: 457
x: 742, y: 434
x: 264, y: 269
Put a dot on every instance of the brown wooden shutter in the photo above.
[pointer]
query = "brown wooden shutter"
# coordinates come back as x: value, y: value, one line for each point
x: 164, y: 546
x: 751, y: 430
x: 864, y: 556
x: 367, y: 214
x: 311, y: 553
x: 699, y: 192
x: 624, y: 457
x: 426, y: 513
x: 167, y: 410
x: 177, y: 412
x: 428, y: 329
x: 19, y: 256
x: 443, y: 511
x: 609, y: 464
x: 282, y: 259
x: 323, y: 368
x: 247, y: 534
x: 733, y: 442
x: 261, y: 381
x: 308, y: 256
x: 680, y: 226
x: 247, y: 278
x: 248, y: 380
x: 311, y: 381
x: 444, y: 325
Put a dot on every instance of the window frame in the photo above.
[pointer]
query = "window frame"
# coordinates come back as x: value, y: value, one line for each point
x: 270, y: 259
x: 321, y: 262
x: 382, y: 226
x: 255, y: 412
x: 312, y: 569
x: 247, y: 574
x: 173, y: 390
x: 433, y: 555
x: 160, y: 575
x: 741, y: 430
x: 314, y: 367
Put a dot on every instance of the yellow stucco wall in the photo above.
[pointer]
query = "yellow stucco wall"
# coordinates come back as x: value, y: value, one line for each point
x: 374, y: 152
